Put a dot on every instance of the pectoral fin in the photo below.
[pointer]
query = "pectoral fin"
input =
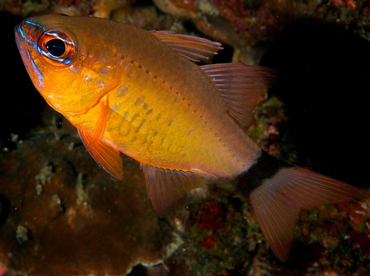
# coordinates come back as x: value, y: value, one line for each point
x: 105, y: 155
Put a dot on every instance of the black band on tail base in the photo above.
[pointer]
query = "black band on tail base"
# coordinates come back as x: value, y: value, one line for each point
x: 265, y: 167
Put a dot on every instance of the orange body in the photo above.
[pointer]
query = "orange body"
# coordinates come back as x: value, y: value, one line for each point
x: 161, y: 109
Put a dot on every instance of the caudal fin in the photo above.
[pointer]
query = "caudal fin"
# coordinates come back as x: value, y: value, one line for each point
x: 277, y: 199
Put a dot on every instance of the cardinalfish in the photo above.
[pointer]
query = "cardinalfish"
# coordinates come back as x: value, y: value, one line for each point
x: 141, y: 93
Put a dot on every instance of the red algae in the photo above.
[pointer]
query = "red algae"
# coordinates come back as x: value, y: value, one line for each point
x: 208, y: 242
x: 211, y: 215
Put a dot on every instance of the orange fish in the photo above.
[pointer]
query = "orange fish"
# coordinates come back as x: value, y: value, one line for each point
x: 140, y: 93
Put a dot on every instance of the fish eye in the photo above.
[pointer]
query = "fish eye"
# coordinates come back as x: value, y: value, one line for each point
x: 58, y: 47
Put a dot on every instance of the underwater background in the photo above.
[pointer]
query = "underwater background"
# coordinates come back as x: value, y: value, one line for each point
x: 61, y: 214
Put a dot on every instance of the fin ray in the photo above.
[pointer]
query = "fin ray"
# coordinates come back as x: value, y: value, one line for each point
x: 241, y: 86
x: 165, y: 187
x: 105, y: 155
x: 277, y: 191
x: 191, y: 47
x: 275, y: 217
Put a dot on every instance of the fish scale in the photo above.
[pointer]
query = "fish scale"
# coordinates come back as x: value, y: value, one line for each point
x: 166, y: 137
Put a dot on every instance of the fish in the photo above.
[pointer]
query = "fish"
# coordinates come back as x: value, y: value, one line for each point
x: 141, y: 93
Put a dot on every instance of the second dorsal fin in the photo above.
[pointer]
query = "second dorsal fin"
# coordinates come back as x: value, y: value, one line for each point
x: 241, y: 86
x: 191, y: 47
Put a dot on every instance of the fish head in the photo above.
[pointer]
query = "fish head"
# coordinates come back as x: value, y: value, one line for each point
x: 65, y: 63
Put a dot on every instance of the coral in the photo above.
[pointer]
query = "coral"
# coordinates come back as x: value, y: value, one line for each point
x: 80, y: 221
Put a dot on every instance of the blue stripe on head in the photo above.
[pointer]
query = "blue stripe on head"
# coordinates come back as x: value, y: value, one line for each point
x: 35, y: 24
x: 39, y: 75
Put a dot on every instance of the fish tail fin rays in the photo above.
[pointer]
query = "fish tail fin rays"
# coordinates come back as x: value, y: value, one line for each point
x: 165, y: 187
x: 277, y: 200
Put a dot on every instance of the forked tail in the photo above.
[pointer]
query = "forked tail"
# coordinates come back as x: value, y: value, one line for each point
x: 277, y: 192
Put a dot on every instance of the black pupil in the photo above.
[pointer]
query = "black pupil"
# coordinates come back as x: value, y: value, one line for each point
x: 56, y: 47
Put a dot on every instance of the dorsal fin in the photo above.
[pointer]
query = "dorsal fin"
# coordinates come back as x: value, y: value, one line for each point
x: 241, y: 86
x: 165, y: 187
x: 191, y: 47
x: 105, y: 155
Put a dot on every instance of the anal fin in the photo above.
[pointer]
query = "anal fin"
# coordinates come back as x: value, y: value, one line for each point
x: 165, y: 187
